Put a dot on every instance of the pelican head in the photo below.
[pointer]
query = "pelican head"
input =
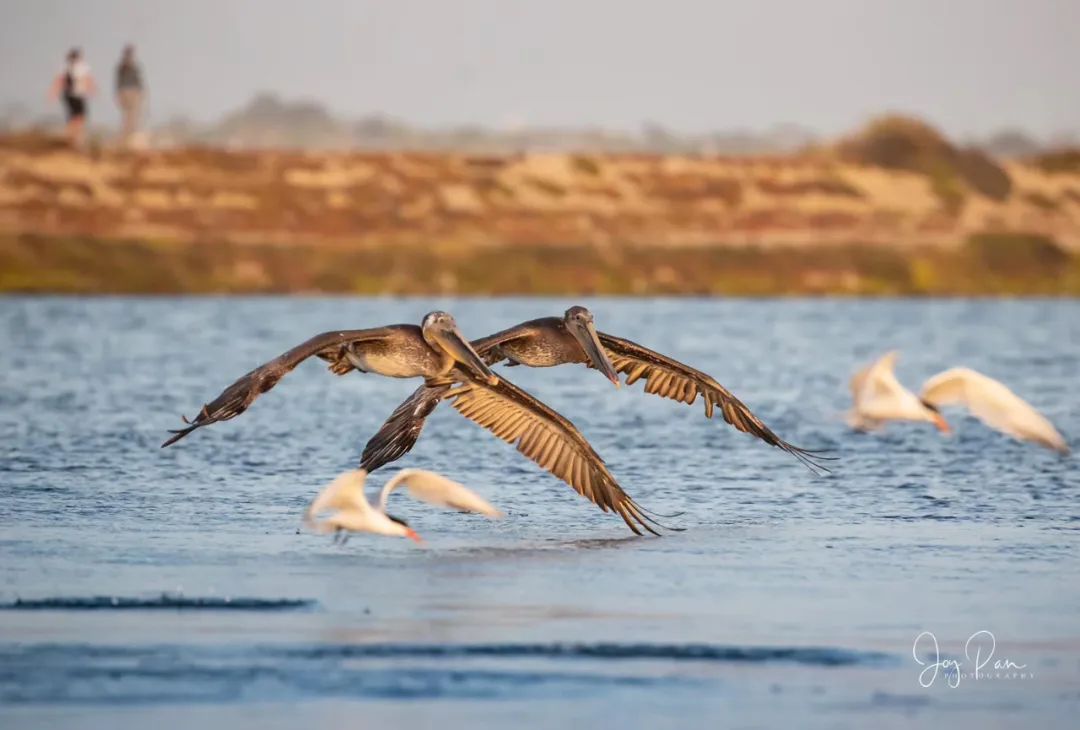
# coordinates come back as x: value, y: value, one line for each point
x: 933, y: 415
x: 441, y: 332
x: 579, y: 322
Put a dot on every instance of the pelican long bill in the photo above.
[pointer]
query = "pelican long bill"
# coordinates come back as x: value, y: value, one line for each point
x: 451, y: 340
x: 585, y: 333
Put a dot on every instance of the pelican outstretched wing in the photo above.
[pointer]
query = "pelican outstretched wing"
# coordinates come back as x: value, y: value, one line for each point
x: 672, y: 379
x: 542, y: 435
x: 399, y: 433
x: 236, y: 399
x: 550, y: 441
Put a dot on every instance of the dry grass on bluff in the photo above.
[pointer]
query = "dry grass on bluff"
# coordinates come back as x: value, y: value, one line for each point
x: 895, y: 208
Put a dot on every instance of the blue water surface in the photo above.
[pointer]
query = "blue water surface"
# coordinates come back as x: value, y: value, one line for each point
x: 141, y: 586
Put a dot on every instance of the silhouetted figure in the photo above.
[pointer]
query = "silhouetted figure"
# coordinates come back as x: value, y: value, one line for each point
x: 129, y: 93
x: 74, y: 85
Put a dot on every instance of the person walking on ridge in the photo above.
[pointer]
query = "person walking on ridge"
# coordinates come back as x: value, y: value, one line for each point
x: 74, y: 85
x: 129, y: 94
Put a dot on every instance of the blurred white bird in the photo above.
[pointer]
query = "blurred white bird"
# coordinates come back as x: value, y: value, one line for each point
x: 352, y: 512
x: 879, y: 397
x: 993, y: 404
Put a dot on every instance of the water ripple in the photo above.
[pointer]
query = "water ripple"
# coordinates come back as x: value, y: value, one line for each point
x: 814, y: 656
x: 164, y: 601
x: 87, y: 673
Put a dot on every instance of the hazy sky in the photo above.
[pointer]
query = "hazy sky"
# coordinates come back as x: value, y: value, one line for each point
x: 970, y: 66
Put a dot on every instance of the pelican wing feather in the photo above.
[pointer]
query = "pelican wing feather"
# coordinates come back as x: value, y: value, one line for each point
x: 669, y: 378
x: 236, y: 399
x: 550, y: 441
x: 399, y: 433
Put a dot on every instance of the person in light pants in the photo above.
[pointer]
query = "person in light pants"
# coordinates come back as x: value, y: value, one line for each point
x: 129, y: 94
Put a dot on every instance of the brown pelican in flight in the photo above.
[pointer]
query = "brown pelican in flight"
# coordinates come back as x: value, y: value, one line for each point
x: 437, y: 352
x: 352, y: 512
x: 573, y: 338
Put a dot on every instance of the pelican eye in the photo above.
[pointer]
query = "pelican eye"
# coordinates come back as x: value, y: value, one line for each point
x: 579, y: 313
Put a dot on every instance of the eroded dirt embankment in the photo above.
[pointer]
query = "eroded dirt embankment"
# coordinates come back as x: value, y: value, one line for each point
x: 217, y: 220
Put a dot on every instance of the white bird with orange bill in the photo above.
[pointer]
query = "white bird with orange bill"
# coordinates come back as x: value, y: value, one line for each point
x: 350, y: 510
x: 879, y: 397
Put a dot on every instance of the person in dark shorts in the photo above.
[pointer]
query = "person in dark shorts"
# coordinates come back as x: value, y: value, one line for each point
x: 74, y: 85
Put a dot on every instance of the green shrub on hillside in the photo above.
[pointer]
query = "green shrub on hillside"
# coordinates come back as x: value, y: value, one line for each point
x: 903, y: 143
x: 897, y: 143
